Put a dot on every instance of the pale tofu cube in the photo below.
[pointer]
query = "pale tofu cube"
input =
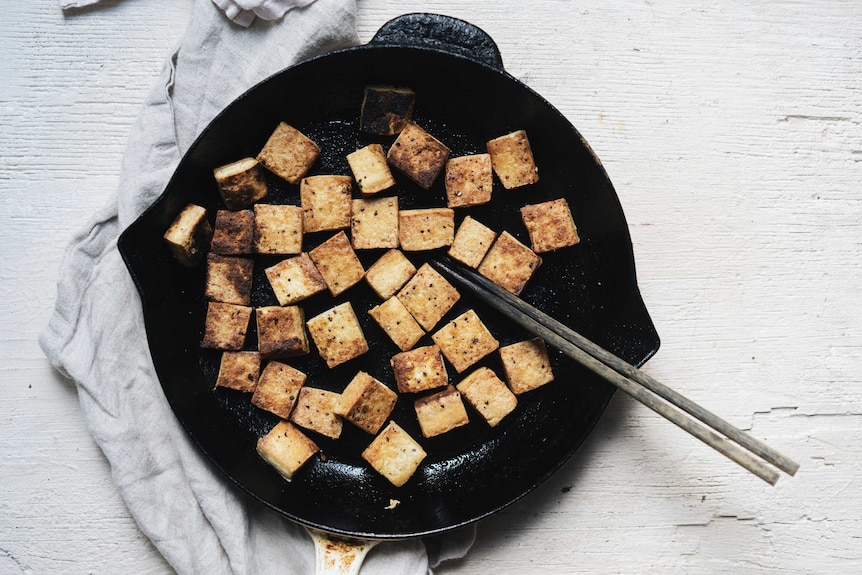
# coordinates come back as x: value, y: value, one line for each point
x: 418, y: 155
x: 488, y: 395
x: 394, y: 454
x: 337, y: 263
x: 426, y: 229
x: 472, y: 241
x: 281, y: 331
x: 397, y: 322
x: 233, y: 233
x: 526, y: 365
x: 228, y: 279
x: 389, y: 273
x: 288, y: 153
x: 277, y: 229
x: 441, y: 412
x: 374, y: 223
x: 278, y: 388
x: 465, y: 340
x: 419, y: 369
x: 509, y: 263
x: 428, y: 296
x: 189, y: 235
x: 366, y: 403
x: 370, y: 169
x: 325, y: 203
x: 337, y: 335
x: 386, y: 109
x: 226, y: 326
x: 286, y: 448
x: 241, y: 183
x: 512, y: 160
x: 469, y: 180
x: 315, y: 410
x: 239, y: 370
x: 295, y: 279
x: 550, y: 225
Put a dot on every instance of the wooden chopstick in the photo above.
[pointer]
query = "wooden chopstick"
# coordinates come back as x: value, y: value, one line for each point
x: 627, y: 377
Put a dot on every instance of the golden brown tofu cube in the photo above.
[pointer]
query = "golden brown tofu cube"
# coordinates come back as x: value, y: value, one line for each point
x: 386, y: 109
x: 512, y: 160
x: 288, y: 153
x: 366, y: 403
x: 315, y: 410
x: 526, y: 365
x: 472, y: 241
x: 189, y: 235
x: 428, y: 296
x: 418, y: 155
x: 277, y: 229
x: 509, y: 263
x: 286, y: 448
x: 488, y: 395
x: 469, y: 180
x: 226, y: 326
x: 241, y: 183
x: 370, y: 169
x: 465, y: 340
x: 374, y: 223
x: 337, y: 263
x: 295, y: 279
x: 239, y: 370
x: 394, y: 454
x: 419, y: 369
x: 228, y: 279
x: 278, y: 388
x: 325, y: 202
x: 281, y: 331
x: 234, y: 233
x: 426, y: 229
x: 397, y: 322
x: 550, y: 225
x: 337, y: 335
x: 388, y: 274
x: 441, y: 412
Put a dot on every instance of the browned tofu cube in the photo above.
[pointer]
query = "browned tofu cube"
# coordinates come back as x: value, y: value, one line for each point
x: 388, y: 274
x: 469, y: 181
x: 325, y: 202
x: 315, y: 410
x: 278, y: 388
x: 370, y: 169
x: 465, y: 340
x: 366, y: 403
x: 512, y: 159
x: 526, y: 365
x: 550, y: 225
x: 286, y: 448
x: 374, y: 223
x: 419, y: 369
x: 337, y: 335
x: 295, y: 279
x: 189, y: 235
x: 239, y: 370
x: 233, y: 233
x: 386, y: 109
x: 337, y: 263
x: 509, y: 263
x: 228, y: 279
x: 488, y: 395
x: 288, y: 153
x: 226, y: 326
x: 428, y: 296
x: 426, y: 229
x: 441, y: 412
x: 277, y: 229
x: 472, y: 241
x: 418, y: 155
x: 394, y: 454
x: 397, y: 322
x: 281, y: 332
x: 241, y: 183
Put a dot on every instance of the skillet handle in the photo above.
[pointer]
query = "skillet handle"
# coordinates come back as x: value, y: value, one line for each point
x: 442, y: 33
x: 338, y: 555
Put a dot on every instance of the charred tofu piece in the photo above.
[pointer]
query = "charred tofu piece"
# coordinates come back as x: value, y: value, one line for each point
x: 281, y: 331
x: 234, y: 233
x: 366, y: 403
x: 315, y: 410
x: 226, y: 326
x: 488, y: 395
x: 469, y: 181
x: 370, y: 169
x: 394, y: 454
x: 374, y: 223
x: 397, y: 322
x: 288, y: 153
x: 428, y: 296
x: 472, y: 241
x: 512, y: 159
x: 419, y: 369
x: 241, y: 183
x: 286, y: 448
x: 386, y: 109
x: 441, y: 412
x: 337, y: 263
x: 426, y: 229
x: 388, y: 274
x: 277, y: 229
x: 228, y: 279
x: 278, y: 388
x: 337, y: 335
x: 550, y: 225
x: 509, y: 263
x: 239, y: 370
x: 325, y: 203
x: 189, y: 235
x: 465, y: 340
x: 295, y: 279
x: 418, y: 155
x: 526, y: 365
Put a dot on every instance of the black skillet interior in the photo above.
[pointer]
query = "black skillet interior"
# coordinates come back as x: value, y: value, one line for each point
x: 470, y: 472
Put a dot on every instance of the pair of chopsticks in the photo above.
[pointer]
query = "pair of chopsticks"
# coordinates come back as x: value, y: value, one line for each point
x: 655, y: 395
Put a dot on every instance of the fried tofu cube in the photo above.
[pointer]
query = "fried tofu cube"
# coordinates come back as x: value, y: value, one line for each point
x: 366, y: 403
x: 465, y: 340
x: 550, y: 225
x: 315, y: 410
x: 386, y: 109
x: 278, y: 388
x: 526, y: 365
x: 337, y: 335
x: 428, y: 296
x: 189, y: 235
x: 509, y: 263
x: 394, y: 454
x: 281, y: 331
x: 325, y: 202
x: 374, y: 223
x: 397, y: 322
x: 241, y: 183
x: 512, y: 160
x: 233, y: 233
x: 226, y: 326
x: 488, y: 395
x: 337, y: 263
x: 441, y: 412
x: 286, y: 448
x: 419, y: 369
x: 370, y: 169
x: 426, y: 229
x: 388, y: 274
x: 239, y: 370
x: 277, y: 229
x: 288, y: 153
x: 295, y: 279
x: 418, y: 155
x: 469, y: 180
x: 472, y: 241
x: 228, y: 279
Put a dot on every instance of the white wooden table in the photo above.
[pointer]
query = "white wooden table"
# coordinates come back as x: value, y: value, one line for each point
x: 733, y: 134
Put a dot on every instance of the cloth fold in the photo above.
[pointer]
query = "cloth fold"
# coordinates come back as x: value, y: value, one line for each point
x: 96, y: 335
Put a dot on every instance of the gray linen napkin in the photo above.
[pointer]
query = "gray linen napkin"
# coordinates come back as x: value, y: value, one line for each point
x: 96, y: 336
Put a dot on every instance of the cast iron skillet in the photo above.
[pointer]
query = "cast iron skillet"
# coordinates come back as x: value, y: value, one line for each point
x: 464, y: 98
